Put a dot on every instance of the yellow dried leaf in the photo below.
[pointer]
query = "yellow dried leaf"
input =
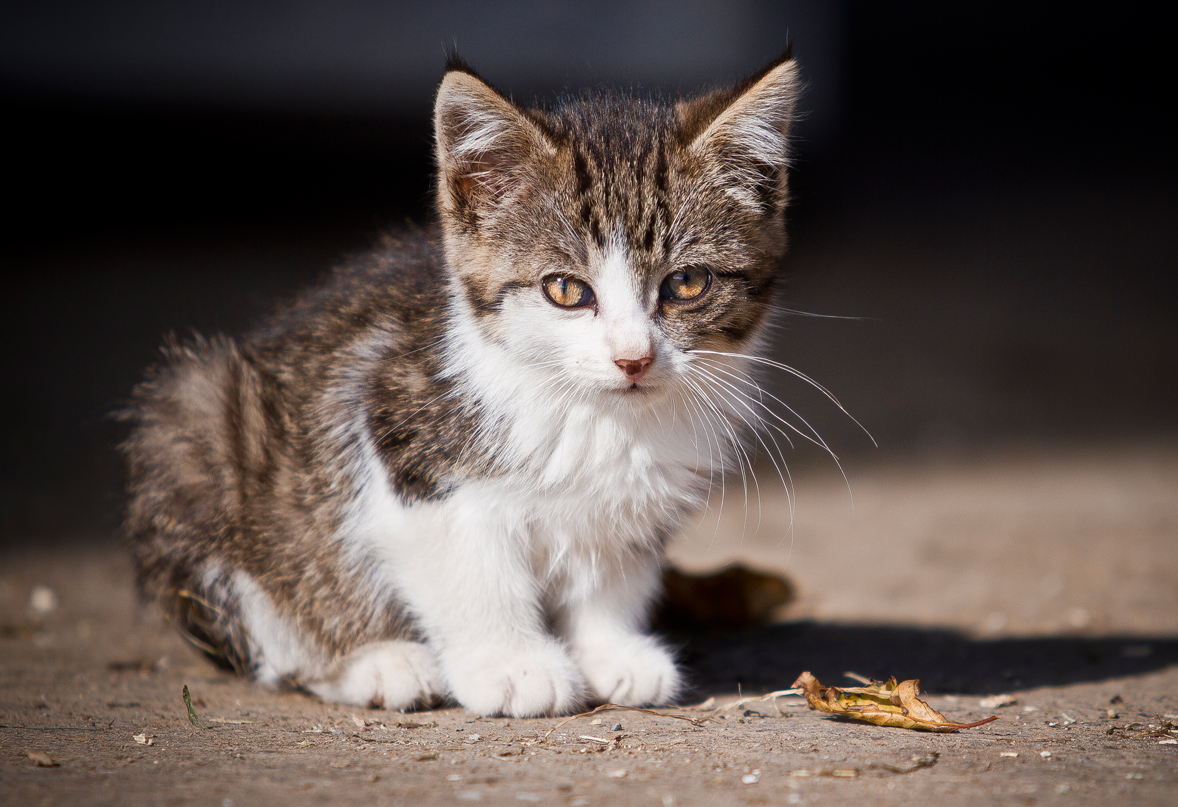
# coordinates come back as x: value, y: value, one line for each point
x: 887, y: 704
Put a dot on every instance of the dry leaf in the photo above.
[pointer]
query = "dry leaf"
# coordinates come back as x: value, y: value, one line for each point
x: 887, y: 704
x: 143, y: 739
x: 42, y: 760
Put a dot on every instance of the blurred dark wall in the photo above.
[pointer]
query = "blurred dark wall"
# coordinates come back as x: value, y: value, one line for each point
x: 989, y: 187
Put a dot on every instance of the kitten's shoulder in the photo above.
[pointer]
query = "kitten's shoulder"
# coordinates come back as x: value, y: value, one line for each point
x: 399, y: 287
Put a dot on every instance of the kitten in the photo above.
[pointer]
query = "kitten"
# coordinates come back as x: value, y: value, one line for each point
x: 451, y: 469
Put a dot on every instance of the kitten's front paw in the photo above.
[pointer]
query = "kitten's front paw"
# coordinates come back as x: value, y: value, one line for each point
x: 539, y: 679
x: 392, y: 675
x: 631, y: 671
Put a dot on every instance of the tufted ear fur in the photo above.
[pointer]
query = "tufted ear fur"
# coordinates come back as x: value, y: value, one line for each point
x: 744, y: 133
x: 484, y: 146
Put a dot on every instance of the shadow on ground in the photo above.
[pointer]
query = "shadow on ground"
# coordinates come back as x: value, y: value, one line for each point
x: 771, y: 657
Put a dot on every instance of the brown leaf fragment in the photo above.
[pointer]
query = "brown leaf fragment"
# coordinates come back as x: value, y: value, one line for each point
x: 926, y: 761
x: 888, y: 704
x: 42, y: 760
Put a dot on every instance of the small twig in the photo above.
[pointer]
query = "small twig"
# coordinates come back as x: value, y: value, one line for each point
x: 695, y: 721
x: 862, y: 679
x: 185, y: 594
x: 773, y: 696
x: 597, y: 739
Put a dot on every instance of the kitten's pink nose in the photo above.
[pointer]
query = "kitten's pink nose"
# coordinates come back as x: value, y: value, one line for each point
x: 635, y: 368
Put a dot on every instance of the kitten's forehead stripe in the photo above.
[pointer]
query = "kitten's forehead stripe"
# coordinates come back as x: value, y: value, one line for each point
x: 620, y: 164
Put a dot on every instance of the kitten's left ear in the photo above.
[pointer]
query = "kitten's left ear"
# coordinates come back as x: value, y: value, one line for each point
x: 485, y: 144
x: 745, y: 133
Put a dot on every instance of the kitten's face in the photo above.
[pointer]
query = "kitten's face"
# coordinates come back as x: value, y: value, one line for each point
x: 603, y: 241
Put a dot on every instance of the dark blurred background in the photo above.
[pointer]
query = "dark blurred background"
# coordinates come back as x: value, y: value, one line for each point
x: 987, y: 190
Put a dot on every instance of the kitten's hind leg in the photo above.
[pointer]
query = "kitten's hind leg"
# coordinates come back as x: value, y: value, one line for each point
x: 389, y: 675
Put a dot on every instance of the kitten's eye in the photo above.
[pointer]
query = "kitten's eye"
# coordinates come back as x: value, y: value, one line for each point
x: 686, y: 284
x: 568, y: 292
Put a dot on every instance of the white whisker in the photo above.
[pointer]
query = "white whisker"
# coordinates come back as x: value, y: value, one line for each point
x: 742, y: 452
x: 797, y: 374
x: 817, y: 439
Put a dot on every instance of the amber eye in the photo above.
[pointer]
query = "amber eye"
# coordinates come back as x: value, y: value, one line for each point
x: 568, y: 292
x: 686, y: 284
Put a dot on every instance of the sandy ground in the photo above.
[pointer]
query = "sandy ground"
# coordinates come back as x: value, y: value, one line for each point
x: 1048, y: 575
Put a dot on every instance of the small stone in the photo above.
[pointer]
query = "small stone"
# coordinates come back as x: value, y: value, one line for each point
x: 616, y: 727
x: 1045, y: 754
x: 43, y: 600
x: 42, y: 760
x: 616, y: 774
x: 994, y: 623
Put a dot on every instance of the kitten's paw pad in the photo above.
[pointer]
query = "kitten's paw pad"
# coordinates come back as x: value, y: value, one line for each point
x: 392, y: 675
x: 537, y: 680
x: 631, y: 671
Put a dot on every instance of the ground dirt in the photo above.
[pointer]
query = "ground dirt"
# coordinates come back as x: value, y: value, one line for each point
x: 1045, y: 574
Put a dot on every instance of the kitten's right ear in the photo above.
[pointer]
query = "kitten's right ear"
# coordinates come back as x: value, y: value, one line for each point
x: 484, y: 144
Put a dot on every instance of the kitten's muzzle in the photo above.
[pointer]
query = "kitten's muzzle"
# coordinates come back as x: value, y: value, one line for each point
x: 635, y: 369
